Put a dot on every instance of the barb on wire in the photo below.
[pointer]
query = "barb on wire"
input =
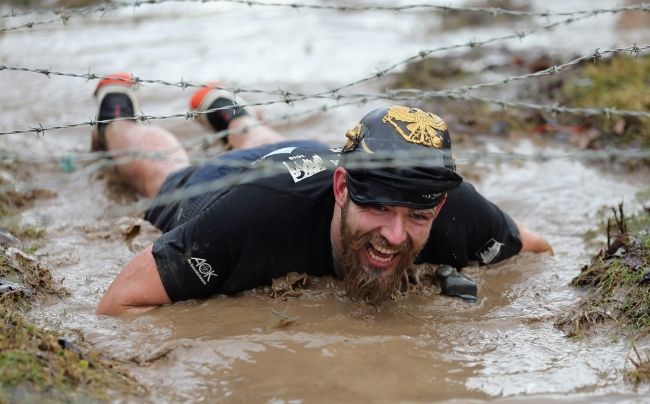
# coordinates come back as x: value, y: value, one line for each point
x: 491, y: 11
x: 63, y: 19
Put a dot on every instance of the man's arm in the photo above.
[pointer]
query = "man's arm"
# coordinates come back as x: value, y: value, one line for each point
x: 136, y: 289
x: 533, y: 242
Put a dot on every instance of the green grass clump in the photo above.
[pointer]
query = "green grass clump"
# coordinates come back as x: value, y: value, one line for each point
x: 617, y: 282
x: 60, y: 3
x: 33, y: 277
x: 620, y: 82
x: 36, y: 363
x: 617, y: 291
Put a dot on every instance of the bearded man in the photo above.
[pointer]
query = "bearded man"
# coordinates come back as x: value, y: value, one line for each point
x: 272, y: 206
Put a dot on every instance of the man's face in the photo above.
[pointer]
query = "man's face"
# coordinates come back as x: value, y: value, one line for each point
x: 378, y: 243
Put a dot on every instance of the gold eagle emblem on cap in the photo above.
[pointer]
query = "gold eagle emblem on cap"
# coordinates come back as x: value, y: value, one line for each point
x: 422, y: 126
x: 355, y: 139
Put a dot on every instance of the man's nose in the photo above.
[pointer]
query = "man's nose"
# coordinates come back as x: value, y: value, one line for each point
x: 394, y: 231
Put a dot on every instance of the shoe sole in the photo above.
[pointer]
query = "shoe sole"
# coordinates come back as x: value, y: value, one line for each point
x: 205, y: 96
x: 121, y: 83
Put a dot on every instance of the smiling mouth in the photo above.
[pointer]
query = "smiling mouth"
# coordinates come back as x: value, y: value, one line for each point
x: 381, y: 255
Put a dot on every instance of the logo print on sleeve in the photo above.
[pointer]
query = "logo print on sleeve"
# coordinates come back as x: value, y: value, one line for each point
x: 490, y: 251
x: 301, y: 167
x: 202, y: 269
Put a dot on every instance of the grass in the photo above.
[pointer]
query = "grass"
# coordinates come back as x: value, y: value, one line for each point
x: 617, y: 286
x: 620, y: 82
x: 465, y: 19
x: 60, y: 3
x: 640, y: 371
x: 614, y: 279
x: 38, y: 363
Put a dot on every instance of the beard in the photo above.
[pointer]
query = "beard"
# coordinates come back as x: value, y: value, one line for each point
x: 372, y: 285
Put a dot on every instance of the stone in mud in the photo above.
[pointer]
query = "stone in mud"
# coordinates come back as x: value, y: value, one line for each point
x: 290, y: 286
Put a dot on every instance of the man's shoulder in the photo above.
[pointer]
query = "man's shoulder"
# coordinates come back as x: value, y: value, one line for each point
x: 295, y: 169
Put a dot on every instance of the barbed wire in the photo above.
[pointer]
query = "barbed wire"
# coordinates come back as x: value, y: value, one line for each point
x: 330, y: 93
x: 290, y: 96
x: 419, y: 96
x: 388, y: 160
x: 595, y: 56
x: 333, y: 93
x: 244, y: 171
x: 286, y: 96
x: 204, y: 140
x: 105, y: 159
x: 189, y: 115
x: 444, y: 9
x: 459, y: 93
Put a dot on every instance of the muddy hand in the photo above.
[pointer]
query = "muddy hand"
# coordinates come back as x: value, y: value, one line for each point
x: 456, y: 284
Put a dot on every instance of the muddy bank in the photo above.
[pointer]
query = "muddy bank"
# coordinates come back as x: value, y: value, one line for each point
x: 616, y: 284
x: 38, y: 363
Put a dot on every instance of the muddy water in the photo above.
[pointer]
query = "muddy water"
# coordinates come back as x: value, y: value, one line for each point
x: 420, y: 348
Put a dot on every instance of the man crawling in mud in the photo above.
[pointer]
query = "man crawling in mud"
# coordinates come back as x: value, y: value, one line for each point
x: 271, y: 206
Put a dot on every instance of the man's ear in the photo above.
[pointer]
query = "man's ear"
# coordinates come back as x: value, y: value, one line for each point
x: 340, y: 186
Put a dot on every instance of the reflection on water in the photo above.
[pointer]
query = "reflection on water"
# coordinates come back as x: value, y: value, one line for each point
x: 416, y: 349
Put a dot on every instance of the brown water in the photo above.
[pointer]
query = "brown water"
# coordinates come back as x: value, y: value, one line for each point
x: 420, y: 348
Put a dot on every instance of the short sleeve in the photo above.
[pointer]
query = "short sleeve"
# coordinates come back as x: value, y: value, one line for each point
x: 194, y: 260
x: 470, y: 228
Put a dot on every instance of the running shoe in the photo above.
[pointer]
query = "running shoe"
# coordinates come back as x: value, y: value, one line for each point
x: 115, y: 95
x: 213, y: 96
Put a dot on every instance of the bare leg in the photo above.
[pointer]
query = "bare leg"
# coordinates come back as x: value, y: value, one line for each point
x: 254, y: 135
x: 146, y: 175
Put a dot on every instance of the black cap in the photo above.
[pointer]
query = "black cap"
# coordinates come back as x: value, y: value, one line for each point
x: 399, y: 156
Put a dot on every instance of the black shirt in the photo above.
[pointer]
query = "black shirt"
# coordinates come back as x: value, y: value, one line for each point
x: 268, y: 226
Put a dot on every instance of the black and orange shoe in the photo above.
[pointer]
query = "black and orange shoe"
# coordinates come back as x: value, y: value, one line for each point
x: 214, y: 96
x: 115, y: 95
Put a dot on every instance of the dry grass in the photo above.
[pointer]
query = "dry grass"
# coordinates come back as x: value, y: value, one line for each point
x: 641, y: 367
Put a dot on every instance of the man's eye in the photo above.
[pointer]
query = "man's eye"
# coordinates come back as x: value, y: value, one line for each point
x: 378, y: 208
x: 420, y: 216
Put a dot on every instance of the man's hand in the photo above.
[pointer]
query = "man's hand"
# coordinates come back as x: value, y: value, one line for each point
x: 136, y: 289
